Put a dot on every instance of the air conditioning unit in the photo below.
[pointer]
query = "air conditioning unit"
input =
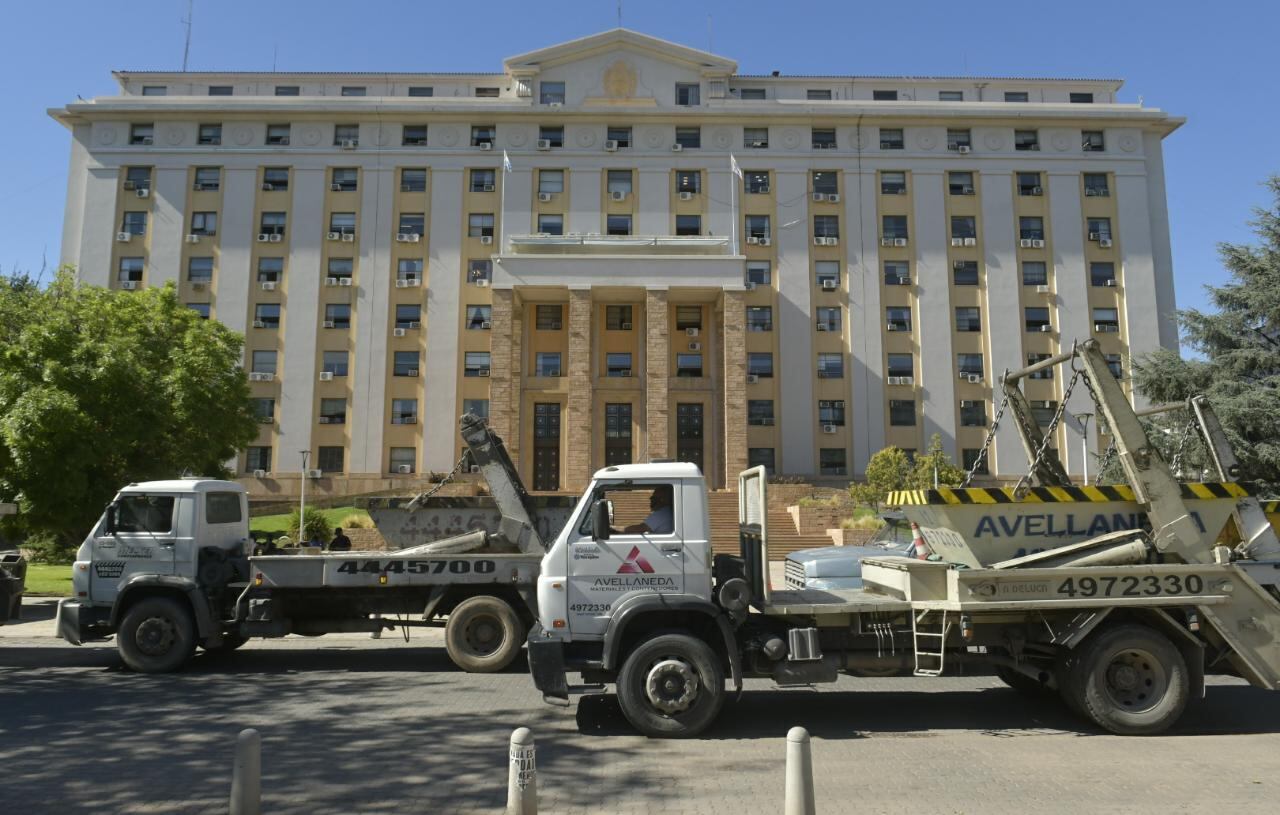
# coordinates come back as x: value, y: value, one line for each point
x: 957, y: 241
x: 899, y: 241
x: 624, y: 372
x: 677, y: 147
x: 618, y: 195
x: 1037, y: 190
x: 759, y: 144
x: 544, y: 197
x: 611, y: 146
x: 1024, y: 243
x: 414, y: 325
x: 193, y: 238
x: 763, y: 189
x: 765, y: 241
x: 828, y: 428
x: 344, y: 281
x: 269, y: 285
x: 1090, y: 192
x: 259, y: 473
x: 1093, y: 236
x: 487, y: 188
x: 324, y: 419
x: 485, y: 145
x: 264, y: 237
x: 349, y: 144
x: 315, y: 473
x: 1042, y: 289
x: 686, y: 196
x: 200, y: 286
x: 1104, y: 243
x: 691, y: 332
x: 833, y: 241
x: 331, y: 281
x: 968, y: 403
x: 974, y: 379
x: 1045, y: 329
x: 970, y: 241
x: 544, y: 144
x: 753, y: 379
x: 255, y: 376
x: 1111, y: 283
x: 336, y: 187
x: 822, y: 327
x: 398, y: 332
x: 483, y: 372
x: 349, y: 237
x: 147, y: 140
x: 486, y: 239
x: 276, y: 237
x: 830, y: 285
x: 259, y: 324
x: 766, y: 421
x: 1105, y: 328
x: 406, y: 282
x: 894, y: 327
x: 1037, y: 244
x: 404, y: 469
x: 749, y: 286
x: 334, y: 236
x: 404, y: 419
x: 819, y: 196
x: 481, y: 282
x: 411, y: 372
x: 485, y: 325
x: 408, y: 237
x: 124, y: 237
x: 267, y: 186
x: 129, y: 285
x: 695, y: 346
x: 819, y: 241
x: 963, y: 149
x: 752, y: 240
x: 904, y: 281
x: 143, y: 192
x: 329, y: 324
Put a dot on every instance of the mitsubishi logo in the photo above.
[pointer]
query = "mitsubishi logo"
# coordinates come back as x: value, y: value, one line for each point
x: 634, y: 563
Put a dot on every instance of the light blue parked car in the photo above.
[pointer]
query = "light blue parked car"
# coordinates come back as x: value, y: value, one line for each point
x: 840, y: 567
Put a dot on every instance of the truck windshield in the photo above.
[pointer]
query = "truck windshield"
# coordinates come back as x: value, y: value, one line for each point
x: 144, y: 513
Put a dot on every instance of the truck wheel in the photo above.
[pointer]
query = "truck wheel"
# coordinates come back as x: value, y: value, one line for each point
x: 484, y: 634
x: 671, y: 686
x: 1130, y: 680
x: 230, y: 642
x: 157, y: 635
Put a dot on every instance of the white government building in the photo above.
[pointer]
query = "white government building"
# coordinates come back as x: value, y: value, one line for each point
x: 618, y: 292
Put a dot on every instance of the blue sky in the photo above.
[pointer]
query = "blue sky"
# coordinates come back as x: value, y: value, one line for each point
x: 1210, y: 62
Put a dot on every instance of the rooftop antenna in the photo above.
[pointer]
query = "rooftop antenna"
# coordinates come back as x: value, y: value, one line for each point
x: 186, y: 48
x: 619, y: 13
x: 275, y: 53
x: 710, y: 50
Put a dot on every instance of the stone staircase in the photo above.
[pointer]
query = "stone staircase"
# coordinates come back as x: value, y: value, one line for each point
x: 723, y: 511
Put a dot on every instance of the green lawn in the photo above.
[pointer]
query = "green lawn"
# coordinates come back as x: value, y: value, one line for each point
x: 279, y: 524
x: 49, y: 579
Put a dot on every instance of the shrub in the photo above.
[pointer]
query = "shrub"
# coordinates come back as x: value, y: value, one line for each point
x: 869, y: 521
x: 356, y: 521
x: 48, y: 547
x: 314, y: 526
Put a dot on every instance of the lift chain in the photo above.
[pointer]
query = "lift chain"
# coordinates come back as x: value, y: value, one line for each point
x: 1105, y: 461
x: 1176, y: 463
x: 422, y: 497
x: 1022, y: 485
x: 986, y: 444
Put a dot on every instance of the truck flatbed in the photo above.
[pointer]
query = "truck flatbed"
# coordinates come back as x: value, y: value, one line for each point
x: 821, y: 602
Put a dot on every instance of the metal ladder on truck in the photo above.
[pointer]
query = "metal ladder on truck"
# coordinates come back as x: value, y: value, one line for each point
x: 929, y: 629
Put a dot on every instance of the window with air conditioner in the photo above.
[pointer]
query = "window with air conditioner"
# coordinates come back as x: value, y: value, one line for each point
x: 950, y: 96
x: 551, y: 93
x: 272, y: 223
x: 826, y: 226
x: 618, y: 318
x: 1035, y: 318
x: 354, y: 90
x: 404, y: 459
x: 757, y: 227
x: 965, y: 273
x: 404, y: 411
x: 968, y: 319
x: 414, y: 136
x: 331, y: 459
x: 1029, y: 184
x: 142, y: 134
x: 901, y: 366
x: 756, y: 182
x: 830, y: 366
x: 550, y: 182
x: 334, y: 362
x: 891, y: 138
x: 199, y: 270
x: 760, y: 412
x: 894, y: 227
x: 137, y: 178
x: 482, y: 134
x: 688, y: 94
x: 1096, y: 185
x: 344, y: 179
x: 478, y: 271
x: 826, y: 273
x: 1031, y: 228
x: 480, y: 225
x: 412, y: 223
x: 822, y: 138
x: 346, y: 135
x: 1016, y: 96
x: 688, y: 365
x: 621, y: 136
x: 761, y: 457
x: 263, y: 362
x: 969, y: 365
x: 1026, y: 140
x: 960, y: 183
x: 893, y: 182
x: 548, y: 317
x: 266, y: 315
x: 134, y: 223
x: 549, y: 224
x: 130, y: 270
x: 898, y: 318
x: 897, y: 273
x: 1035, y: 273
x: 902, y: 412
x: 825, y: 182
x: 257, y: 458
x: 338, y: 315
x: 1106, y: 320
x: 973, y: 413
x: 689, y: 225
x: 618, y: 224
x: 204, y: 223
x: 688, y: 317
x: 755, y: 138
x: 964, y: 226
x: 689, y: 181
x: 278, y: 135
x: 264, y: 408
x: 477, y: 407
x: 413, y: 179
x: 759, y: 318
x: 760, y: 364
x: 618, y: 364
x: 1093, y: 141
x: 340, y: 268
x: 818, y: 94
x: 1102, y: 274
x: 270, y: 270
x: 831, y: 411
x: 1099, y: 229
x: 619, y: 182
x: 275, y: 179
x: 409, y: 315
x: 288, y: 90
x: 209, y: 135
x: 479, y: 317
x: 207, y: 179
x: 553, y: 135
x: 759, y: 273
x: 404, y: 363
x: 483, y: 180
x: 689, y: 138
x: 828, y: 318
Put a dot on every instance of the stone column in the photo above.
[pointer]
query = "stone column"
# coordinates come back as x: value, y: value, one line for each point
x: 735, y: 387
x: 656, y: 370
x: 577, y: 425
x: 503, y: 413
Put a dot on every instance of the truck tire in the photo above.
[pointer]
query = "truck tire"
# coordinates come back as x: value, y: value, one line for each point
x: 1130, y: 680
x: 157, y: 635
x: 484, y: 634
x: 671, y: 686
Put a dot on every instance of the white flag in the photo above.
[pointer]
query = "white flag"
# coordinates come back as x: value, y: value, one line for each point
x: 506, y: 162
x: 733, y: 165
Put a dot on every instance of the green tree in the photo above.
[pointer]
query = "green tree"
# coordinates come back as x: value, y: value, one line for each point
x: 1240, y: 346
x: 934, y: 460
x: 99, y: 388
x: 314, y: 527
x: 888, y: 470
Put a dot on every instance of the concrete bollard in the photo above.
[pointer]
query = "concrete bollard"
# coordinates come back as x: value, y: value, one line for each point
x: 246, y: 774
x: 798, y: 798
x: 522, y: 775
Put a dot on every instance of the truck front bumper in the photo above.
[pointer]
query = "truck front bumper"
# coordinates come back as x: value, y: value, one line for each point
x: 546, y: 664
x: 78, y: 623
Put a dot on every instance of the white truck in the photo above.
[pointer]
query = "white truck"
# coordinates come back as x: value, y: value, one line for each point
x: 167, y: 568
x: 1122, y: 618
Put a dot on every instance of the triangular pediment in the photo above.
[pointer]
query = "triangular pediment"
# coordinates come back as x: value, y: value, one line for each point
x: 620, y: 40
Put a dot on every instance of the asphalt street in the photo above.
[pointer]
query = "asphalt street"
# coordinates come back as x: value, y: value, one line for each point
x: 352, y: 724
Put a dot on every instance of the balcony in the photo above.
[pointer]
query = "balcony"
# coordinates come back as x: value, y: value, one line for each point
x: 630, y: 261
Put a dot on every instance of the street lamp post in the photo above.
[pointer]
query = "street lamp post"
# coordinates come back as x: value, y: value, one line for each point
x: 302, y: 501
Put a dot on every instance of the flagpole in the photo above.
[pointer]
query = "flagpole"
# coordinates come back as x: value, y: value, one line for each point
x: 733, y: 205
x: 502, y: 205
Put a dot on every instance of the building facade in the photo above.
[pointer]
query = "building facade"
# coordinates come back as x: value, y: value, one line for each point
x: 620, y: 249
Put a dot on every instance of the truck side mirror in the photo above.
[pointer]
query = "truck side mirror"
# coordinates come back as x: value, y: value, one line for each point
x: 111, y: 518
x: 600, y: 520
